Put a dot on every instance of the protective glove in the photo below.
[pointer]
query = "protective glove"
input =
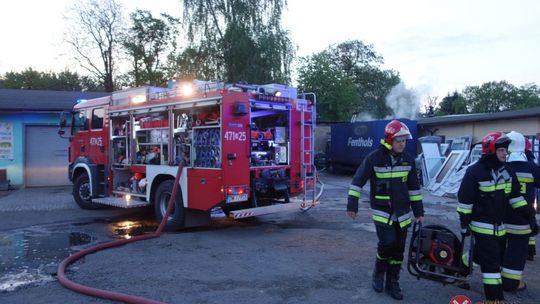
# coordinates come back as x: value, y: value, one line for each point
x: 352, y: 204
x: 534, y: 227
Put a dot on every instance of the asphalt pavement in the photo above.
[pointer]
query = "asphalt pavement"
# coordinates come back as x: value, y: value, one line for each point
x: 37, y: 199
x: 318, y: 256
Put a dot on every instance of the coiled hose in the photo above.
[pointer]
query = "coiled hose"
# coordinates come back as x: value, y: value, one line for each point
x: 111, y: 295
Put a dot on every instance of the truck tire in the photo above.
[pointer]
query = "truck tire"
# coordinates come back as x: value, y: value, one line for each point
x: 176, y: 219
x: 82, y: 193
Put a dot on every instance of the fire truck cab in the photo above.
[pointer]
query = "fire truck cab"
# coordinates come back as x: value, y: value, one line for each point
x: 245, y: 148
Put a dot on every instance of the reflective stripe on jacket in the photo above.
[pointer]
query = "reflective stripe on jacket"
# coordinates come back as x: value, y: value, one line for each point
x: 528, y: 175
x: 394, y: 188
x: 486, y: 197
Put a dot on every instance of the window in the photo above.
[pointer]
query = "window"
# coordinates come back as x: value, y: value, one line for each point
x: 80, y: 122
x: 97, y: 118
x: 448, y: 164
x: 451, y: 165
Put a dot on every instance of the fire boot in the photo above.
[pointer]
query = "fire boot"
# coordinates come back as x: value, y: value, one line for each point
x: 392, y: 285
x: 378, y: 275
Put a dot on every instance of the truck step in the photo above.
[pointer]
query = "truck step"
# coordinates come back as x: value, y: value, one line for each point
x: 120, y: 202
x: 293, y: 205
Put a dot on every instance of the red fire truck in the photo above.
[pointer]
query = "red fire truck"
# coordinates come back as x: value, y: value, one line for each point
x: 245, y: 148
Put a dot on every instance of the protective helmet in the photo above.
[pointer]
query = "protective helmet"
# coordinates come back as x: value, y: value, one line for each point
x: 395, y: 128
x: 494, y: 140
x: 528, y: 149
x: 528, y: 144
x: 516, y: 147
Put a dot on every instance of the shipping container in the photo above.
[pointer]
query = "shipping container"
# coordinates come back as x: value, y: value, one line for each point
x: 350, y: 143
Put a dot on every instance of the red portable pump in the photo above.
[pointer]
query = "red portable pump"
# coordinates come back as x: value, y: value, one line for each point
x: 436, y: 253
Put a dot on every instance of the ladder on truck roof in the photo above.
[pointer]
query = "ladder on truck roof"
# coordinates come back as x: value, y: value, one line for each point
x: 307, y: 109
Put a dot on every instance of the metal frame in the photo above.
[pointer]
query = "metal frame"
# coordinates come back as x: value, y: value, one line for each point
x: 415, y: 269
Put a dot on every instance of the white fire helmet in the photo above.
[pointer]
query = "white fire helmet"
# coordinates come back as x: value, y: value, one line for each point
x: 517, y: 147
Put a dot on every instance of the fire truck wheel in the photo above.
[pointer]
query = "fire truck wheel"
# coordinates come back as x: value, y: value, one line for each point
x: 81, y: 193
x: 177, y: 216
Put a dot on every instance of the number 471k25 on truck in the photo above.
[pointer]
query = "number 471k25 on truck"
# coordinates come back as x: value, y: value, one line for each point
x: 248, y: 149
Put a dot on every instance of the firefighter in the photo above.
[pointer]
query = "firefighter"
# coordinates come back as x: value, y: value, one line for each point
x: 394, y: 190
x: 532, y: 240
x: 519, y: 227
x: 486, y: 190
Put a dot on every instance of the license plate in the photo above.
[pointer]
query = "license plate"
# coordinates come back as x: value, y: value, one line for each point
x: 237, y: 198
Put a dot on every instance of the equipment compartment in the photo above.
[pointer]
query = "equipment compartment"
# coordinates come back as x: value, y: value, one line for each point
x: 269, y: 134
x: 207, y: 147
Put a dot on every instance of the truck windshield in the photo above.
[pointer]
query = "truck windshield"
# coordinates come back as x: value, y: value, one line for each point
x: 80, y: 122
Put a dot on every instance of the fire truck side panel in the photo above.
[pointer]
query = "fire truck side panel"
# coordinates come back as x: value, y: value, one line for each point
x: 156, y: 174
x: 235, y: 139
x: 205, y: 188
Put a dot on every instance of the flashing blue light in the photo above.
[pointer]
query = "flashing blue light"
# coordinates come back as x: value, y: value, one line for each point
x: 81, y: 100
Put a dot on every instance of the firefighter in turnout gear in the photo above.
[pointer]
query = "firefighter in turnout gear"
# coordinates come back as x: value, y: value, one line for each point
x: 394, y: 190
x: 519, y: 227
x: 532, y: 241
x: 487, y: 189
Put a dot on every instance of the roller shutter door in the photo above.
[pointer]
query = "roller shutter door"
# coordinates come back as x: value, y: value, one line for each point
x: 46, y: 157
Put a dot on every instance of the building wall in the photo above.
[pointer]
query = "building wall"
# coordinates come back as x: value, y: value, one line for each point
x: 15, y: 166
x: 526, y: 126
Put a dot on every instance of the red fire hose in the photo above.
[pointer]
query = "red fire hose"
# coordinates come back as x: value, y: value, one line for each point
x: 111, y: 295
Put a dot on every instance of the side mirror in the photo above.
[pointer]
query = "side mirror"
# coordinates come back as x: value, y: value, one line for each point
x: 62, y: 124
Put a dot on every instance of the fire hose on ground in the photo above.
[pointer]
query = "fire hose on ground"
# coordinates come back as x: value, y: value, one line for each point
x: 111, y: 295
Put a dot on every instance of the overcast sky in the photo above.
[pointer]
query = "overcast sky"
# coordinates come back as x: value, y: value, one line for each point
x: 436, y: 46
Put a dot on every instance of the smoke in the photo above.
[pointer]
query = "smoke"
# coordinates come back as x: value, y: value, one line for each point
x: 404, y: 102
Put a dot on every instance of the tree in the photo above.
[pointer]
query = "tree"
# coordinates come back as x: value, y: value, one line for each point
x: 529, y: 96
x: 339, y: 66
x: 336, y: 92
x: 429, y: 108
x: 360, y: 62
x: 494, y: 96
x: 89, y: 83
x: 491, y: 97
x: 94, y: 34
x: 27, y: 79
x: 62, y: 81
x: 192, y: 63
x: 241, y: 39
x: 374, y: 85
x: 452, y: 104
x: 149, y: 42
